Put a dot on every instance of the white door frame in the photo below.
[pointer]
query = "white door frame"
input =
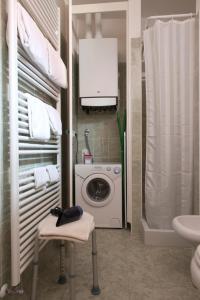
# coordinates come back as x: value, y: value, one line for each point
x: 94, y: 8
x: 70, y: 107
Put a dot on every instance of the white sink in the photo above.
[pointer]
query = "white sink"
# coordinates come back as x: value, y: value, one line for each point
x: 188, y: 227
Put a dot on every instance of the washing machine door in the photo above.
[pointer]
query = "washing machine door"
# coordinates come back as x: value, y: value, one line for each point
x: 98, y: 190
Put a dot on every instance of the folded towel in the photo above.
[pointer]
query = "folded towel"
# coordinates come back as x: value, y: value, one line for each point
x: 57, y: 68
x: 78, y: 231
x: 41, y: 177
x: 53, y: 173
x: 54, y: 120
x: 38, y: 119
x: 32, y: 39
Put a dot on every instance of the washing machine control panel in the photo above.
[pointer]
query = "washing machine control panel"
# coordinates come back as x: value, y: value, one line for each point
x: 117, y: 170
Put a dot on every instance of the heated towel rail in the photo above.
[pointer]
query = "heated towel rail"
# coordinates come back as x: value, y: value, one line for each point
x: 28, y: 205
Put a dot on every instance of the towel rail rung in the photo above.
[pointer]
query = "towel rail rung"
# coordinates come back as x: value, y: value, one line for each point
x: 34, y: 193
x: 23, y: 124
x: 26, y: 187
x: 29, y: 152
x: 26, y: 61
x: 25, y: 180
x: 28, y: 69
x: 37, y: 201
x: 37, y: 210
x: 33, y: 82
x: 22, y: 116
x: 34, y: 197
x: 28, y: 139
x: 22, y: 110
x: 37, y: 146
x: 24, y: 224
x: 29, y: 260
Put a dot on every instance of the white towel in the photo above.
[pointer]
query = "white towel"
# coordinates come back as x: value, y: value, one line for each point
x: 54, y: 120
x: 57, y: 68
x: 41, y: 177
x: 78, y: 231
x: 32, y: 39
x: 53, y: 173
x: 38, y: 119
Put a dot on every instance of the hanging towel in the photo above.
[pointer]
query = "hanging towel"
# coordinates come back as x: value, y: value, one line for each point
x: 53, y: 173
x: 54, y: 120
x: 57, y: 68
x: 41, y: 177
x: 32, y: 39
x: 38, y: 119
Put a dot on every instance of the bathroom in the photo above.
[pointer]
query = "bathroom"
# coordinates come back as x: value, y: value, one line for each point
x: 134, y: 263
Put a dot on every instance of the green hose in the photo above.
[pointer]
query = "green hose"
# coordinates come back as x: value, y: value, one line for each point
x: 122, y: 128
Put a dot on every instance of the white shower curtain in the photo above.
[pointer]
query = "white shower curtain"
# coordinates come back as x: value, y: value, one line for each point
x: 171, y: 97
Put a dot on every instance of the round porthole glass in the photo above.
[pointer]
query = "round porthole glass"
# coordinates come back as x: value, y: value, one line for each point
x: 98, y: 190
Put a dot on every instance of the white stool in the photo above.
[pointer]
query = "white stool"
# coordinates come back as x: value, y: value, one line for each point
x: 75, y: 232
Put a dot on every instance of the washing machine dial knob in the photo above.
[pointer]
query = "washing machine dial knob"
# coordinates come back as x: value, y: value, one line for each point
x: 117, y: 170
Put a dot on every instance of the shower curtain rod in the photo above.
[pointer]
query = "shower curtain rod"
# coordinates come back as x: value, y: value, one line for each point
x: 171, y: 16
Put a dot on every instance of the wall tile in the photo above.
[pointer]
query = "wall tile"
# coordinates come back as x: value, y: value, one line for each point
x: 136, y: 97
x: 137, y: 123
x: 104, y: 135
x: 137, y: 147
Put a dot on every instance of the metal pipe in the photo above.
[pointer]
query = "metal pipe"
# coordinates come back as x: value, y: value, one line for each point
x: 35, y: 269
x: 98, y: 26
x: 95, y: 289
x: 171, y: 16
x: 29, y: 260
x: 88, y: 21
x: 72, y: 291
x: 14, y: 156
x: 86, y: 134
x: 62, y: 277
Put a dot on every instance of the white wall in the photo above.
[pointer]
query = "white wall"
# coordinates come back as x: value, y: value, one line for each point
x: 93, y: 1
x: 169, y: 7
x: 113, y: 26
x: 163, y: 7
x: 134, y: 18
x: 197, y: 5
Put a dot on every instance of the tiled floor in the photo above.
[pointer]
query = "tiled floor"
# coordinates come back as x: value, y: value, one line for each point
x: 128, y: 271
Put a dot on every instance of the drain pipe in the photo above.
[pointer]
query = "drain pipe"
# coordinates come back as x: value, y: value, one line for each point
x: 86, y: 133
x: 98, y: 26
x: 88, y: 21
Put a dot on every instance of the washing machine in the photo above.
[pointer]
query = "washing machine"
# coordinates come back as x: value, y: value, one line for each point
x: 98, y: 190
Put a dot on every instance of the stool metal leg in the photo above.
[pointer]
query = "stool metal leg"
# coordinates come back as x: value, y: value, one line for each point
x: 35, y: 269
x: 62, y: 276
x: 72, y: 290
x: 95, y: 289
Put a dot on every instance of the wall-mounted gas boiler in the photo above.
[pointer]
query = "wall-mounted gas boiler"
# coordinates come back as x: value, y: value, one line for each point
x: 98, y: 72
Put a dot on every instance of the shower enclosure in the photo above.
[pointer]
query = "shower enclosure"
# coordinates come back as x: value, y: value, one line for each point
x: 171, y: 163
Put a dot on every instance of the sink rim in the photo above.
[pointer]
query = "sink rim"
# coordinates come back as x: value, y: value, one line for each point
x: 189, y: 233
